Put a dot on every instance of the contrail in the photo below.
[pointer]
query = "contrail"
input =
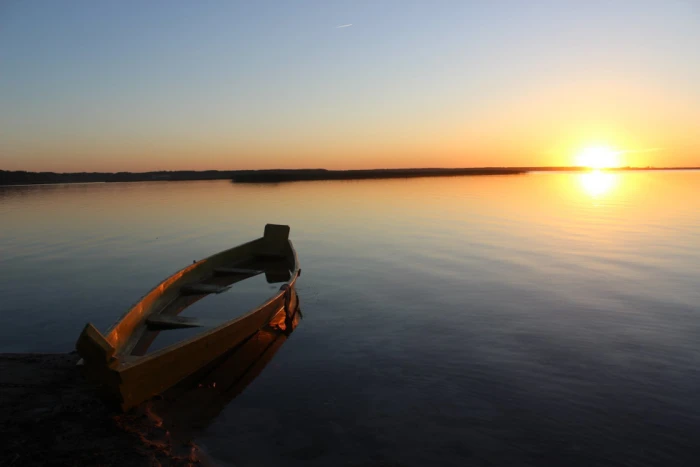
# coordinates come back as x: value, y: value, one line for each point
x: 343, y: 26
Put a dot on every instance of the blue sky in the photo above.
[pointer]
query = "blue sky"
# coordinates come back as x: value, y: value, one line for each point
x: 174, y: 85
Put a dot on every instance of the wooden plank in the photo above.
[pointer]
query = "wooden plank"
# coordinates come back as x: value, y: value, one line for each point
x: 196, y: 289
x: 236, y: 271
x: 93, y: 346
x: 160, y: 322
x: 269, y: 255
x: 276, y: 233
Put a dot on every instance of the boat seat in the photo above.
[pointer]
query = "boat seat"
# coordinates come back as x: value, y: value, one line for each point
x: 160, y: 322
x: 236, y: 271
x: 199, y: 289
x: 269, y: 255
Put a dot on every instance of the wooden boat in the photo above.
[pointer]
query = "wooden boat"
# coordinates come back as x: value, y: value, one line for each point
x: 118, y: 361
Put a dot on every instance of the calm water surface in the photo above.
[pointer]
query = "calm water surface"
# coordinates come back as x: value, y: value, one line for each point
x: 543, y: 319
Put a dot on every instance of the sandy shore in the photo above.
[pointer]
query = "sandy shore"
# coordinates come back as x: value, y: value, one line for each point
x: 49, y: 415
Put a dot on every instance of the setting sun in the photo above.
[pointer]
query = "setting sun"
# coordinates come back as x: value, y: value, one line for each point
x: 598, y: 157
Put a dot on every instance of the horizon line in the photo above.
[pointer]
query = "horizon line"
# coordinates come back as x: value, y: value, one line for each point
x: 531, y: 168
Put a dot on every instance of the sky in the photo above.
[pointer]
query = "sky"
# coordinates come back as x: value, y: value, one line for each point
x: 168, y: 85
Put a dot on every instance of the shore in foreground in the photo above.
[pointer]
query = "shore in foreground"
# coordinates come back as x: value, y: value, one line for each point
x: 49, y: 415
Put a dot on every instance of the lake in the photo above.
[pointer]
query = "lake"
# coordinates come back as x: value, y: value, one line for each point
x: 538, y: 319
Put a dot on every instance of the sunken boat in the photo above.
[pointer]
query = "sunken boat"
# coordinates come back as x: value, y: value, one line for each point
x: 118, y: 360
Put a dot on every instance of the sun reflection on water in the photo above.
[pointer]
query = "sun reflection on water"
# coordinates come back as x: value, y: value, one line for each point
x: 597, y: 183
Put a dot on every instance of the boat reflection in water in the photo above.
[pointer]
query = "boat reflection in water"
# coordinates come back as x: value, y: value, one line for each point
x: 168, y: 423
x: 195, y: 402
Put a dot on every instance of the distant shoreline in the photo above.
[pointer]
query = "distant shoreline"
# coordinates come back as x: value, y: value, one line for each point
x: 9, y: 178
x: 279, y: 176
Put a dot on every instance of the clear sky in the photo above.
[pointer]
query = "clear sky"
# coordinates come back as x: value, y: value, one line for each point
x: 151, y: 85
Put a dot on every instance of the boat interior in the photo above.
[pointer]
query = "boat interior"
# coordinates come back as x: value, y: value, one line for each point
x: 255, y: 277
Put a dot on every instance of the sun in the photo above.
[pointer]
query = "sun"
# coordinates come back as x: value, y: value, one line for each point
x: 598, y: 157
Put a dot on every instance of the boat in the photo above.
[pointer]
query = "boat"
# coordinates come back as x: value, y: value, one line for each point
x: 119, y: 362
